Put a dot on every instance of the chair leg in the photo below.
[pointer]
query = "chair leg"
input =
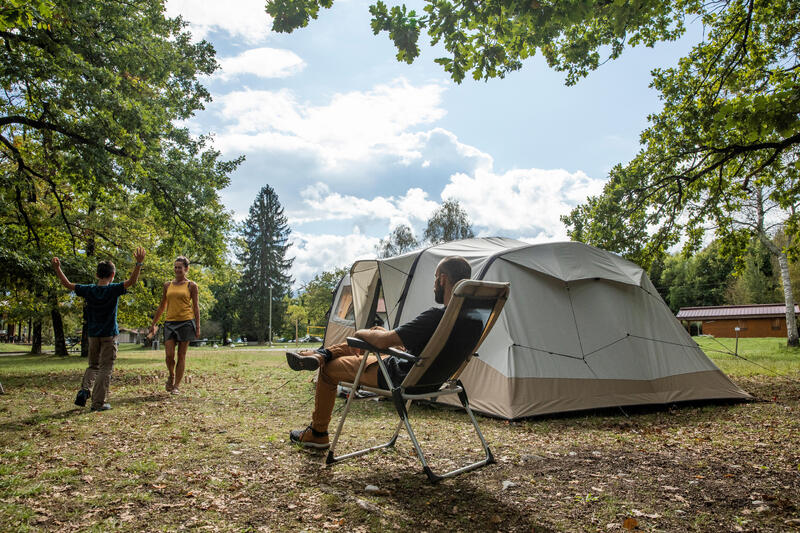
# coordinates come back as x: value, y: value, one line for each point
x: 332, y: 458
x: 432, y: 476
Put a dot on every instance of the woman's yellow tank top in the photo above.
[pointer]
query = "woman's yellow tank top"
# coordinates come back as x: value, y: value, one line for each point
x: 179, y: 303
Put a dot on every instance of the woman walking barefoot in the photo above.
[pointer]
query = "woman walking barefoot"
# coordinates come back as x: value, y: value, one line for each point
x: 182, y: 321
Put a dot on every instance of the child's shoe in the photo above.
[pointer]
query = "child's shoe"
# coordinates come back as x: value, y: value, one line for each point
x: 83, y: 395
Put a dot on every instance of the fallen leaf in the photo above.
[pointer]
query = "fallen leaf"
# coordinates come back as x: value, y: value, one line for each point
x: 630, y: 524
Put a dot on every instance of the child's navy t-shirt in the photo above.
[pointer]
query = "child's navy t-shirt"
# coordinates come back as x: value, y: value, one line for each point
x: 102, y: 307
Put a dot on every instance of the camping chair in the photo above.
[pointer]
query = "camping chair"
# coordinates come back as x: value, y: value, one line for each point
x: 469, y: 317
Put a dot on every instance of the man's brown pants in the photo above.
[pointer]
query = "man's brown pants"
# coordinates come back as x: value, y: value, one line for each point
x: 342, y: 366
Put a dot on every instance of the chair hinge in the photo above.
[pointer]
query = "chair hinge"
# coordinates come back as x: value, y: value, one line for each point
x: 399, y: 404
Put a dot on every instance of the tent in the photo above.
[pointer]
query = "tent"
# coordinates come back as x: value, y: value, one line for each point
x: 582, y: 329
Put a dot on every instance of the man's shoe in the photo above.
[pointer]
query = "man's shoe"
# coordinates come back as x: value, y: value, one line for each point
x: 298, y: 361
x: 310, y: 438
x: 104, y: 407
x: 83, y: 395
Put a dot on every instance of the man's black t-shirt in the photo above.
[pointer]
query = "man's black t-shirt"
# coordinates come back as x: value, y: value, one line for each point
x: 415, y: 335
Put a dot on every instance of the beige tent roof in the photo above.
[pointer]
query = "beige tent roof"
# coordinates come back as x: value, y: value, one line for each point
x: 583, y: 328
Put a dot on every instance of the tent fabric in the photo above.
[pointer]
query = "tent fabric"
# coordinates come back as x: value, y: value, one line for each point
x: 583, y: 328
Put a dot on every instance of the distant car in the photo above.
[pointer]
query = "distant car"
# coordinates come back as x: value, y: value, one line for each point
x: 310, y: 338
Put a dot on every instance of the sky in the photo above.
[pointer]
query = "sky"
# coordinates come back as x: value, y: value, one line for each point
x: 355, y: 143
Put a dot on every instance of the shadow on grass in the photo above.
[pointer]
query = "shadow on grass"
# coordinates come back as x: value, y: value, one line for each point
x: 460, y: 503
x: 36, y: 419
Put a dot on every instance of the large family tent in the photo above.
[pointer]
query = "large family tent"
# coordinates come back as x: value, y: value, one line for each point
x: 583, y: 328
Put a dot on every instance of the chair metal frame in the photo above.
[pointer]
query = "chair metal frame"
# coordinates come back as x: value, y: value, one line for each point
x: 465, y: 289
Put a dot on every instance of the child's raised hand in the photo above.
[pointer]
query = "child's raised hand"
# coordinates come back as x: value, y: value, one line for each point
x: 139, y: 254
x: 56, y: 263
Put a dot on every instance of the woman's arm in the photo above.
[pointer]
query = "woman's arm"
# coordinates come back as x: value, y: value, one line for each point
x: 160, y: 310
x: 195, y: 294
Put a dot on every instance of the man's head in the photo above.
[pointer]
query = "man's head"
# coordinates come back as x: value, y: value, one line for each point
x: 106, y: 270
x: 450, y: 271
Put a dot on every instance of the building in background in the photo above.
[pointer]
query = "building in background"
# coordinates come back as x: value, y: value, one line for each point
x: 759, y: 320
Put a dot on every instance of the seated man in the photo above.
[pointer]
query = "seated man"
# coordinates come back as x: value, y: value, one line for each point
x: 340, y: 362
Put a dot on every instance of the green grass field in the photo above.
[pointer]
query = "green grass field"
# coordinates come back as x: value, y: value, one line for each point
x: 216, y: 457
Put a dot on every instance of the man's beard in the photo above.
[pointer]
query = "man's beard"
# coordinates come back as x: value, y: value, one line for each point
x: 438, y: 294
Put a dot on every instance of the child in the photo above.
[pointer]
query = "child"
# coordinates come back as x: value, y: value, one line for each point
x: 101, y: 301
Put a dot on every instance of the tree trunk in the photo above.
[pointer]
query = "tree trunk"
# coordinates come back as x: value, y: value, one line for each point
x: 58, y: 331
x: 36, y: 337
x: 788, y: 297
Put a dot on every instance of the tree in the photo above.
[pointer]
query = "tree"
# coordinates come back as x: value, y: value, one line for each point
x: 399, y: 241
x: 726, y: 142
x: 265, y: 268
x: 756, y: 283
x: 90, y: 155
x: 492, y: 38
x: 448, y: 223
x: 228, y: 304
x: 699, y: 280
x: 317, y: 295
x: 23, y: 13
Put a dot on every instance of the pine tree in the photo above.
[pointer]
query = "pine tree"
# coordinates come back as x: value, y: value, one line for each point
x: 265, y: 236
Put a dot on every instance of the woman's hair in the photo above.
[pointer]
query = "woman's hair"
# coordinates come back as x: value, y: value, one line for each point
x: 105, y: 269
x: 183, y: 260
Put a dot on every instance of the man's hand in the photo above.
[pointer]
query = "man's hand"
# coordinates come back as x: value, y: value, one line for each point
x: 56, y: 263
x: 139, y: 254
x: 152, y: 331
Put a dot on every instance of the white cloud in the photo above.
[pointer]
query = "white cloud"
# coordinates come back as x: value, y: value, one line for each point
x: 521, y: 202
x: 357, y: 126
x: 413, y: 207
x: 261, y: 62
x: 247, y: 20
x: 524, y: 204
x: 316, y: 253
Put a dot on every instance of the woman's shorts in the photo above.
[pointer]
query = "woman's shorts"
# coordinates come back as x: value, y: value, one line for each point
x: 180, y: 331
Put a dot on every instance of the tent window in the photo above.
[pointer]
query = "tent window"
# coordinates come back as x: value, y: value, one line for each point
x: 344, y: 309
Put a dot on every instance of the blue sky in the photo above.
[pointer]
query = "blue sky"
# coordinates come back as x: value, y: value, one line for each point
x: 355, y: 143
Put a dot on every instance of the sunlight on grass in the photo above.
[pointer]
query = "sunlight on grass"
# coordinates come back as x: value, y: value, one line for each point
x: 216, y: 457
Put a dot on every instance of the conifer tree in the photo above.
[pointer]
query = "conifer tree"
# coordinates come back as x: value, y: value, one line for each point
x: 265, y: 267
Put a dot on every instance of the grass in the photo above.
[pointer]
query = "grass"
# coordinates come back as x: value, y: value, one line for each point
x: 756, y: 356
x: 215, y: 458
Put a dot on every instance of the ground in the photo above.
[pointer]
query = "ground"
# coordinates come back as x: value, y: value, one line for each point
x: 216, y: 457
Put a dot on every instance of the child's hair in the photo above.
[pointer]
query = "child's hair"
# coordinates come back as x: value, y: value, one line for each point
x: 183, y: 260
x: 105, y: 269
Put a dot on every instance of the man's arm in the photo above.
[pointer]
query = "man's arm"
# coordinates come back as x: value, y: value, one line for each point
x: 61, y: 277
x: 139, y: 256
x: 379, y: 338
x: 194, y: 292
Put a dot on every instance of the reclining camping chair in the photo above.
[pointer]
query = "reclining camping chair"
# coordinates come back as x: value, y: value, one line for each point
x: 469, y: 317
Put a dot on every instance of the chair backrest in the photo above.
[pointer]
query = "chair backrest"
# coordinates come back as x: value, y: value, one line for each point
x: 470, y: 315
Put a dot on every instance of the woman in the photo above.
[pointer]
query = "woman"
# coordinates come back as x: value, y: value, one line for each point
x: 182, y: 322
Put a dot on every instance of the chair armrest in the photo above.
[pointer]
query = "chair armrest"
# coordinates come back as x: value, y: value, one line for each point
x: 364, y: 345
x: 358, y: 343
